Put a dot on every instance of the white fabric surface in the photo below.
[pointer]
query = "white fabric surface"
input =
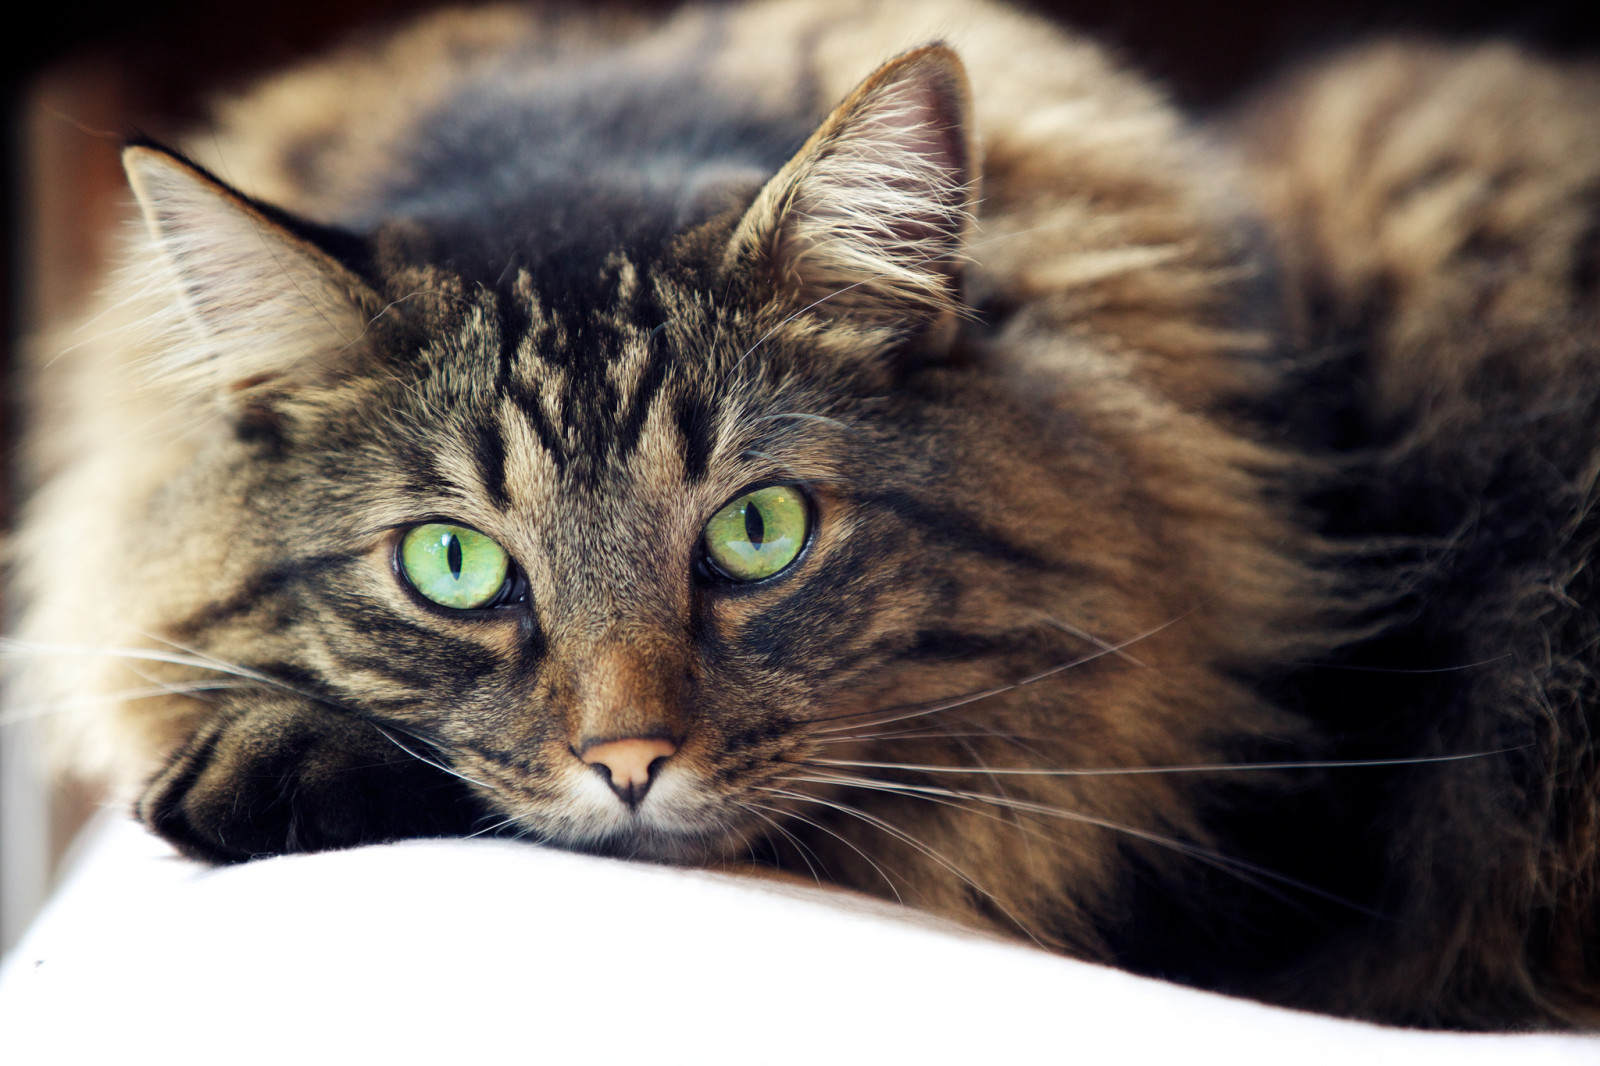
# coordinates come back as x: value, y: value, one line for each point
x: 484, y: 951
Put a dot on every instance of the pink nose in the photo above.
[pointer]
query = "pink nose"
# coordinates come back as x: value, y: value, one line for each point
x: 630, y: 763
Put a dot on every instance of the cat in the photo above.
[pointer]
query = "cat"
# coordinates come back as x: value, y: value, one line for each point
x: 885, y: 443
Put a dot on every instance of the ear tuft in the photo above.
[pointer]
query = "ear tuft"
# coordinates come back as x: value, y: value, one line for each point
x: 262, y: 297
x: 869, y: 218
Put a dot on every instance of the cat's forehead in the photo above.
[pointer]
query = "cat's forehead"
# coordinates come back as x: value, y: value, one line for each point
x: 537, y: 400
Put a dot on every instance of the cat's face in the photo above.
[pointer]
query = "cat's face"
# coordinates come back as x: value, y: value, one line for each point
x: 752, y: 538
x: 596, y: 480
x: 619, y: 562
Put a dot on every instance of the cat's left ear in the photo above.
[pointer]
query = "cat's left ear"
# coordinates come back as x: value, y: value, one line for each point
x: 868, y: 220
x: 263, y: 292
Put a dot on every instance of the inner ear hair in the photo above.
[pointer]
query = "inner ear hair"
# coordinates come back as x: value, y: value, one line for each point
x: 260, y: 292
x: 870, y: 217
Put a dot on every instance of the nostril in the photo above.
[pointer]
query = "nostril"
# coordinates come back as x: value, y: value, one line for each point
x: 630, y: 764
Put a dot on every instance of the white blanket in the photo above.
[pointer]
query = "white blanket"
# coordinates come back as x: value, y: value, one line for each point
x: 465, y: 952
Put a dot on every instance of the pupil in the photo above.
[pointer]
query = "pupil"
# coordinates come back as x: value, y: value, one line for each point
x: 755, y: 530
x: 452, y: 554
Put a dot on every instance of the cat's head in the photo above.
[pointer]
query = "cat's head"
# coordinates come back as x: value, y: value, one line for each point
x: 638, y: 559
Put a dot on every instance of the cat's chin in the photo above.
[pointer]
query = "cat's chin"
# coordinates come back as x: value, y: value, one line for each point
x: 679, y: 849
x: 676, y: 823
x: 638, y: 837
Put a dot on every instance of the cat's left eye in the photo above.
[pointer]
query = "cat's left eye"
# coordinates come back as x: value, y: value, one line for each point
x: 759, y: 534
x: 454, y: 566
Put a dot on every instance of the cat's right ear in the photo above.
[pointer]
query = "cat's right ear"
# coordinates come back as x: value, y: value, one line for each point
x: 264, y: 296
x: 866, y: 223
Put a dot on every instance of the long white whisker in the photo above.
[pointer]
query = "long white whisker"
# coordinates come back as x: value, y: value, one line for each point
x: 1083, y: 634
x: 424, y: 759
x: 804, y: 852
x: 189, y: 656
x: 1196, y: 852
x: 805, y: 417
x: 803, y: 797
x: 1329, y: 764
x: 12, y: 646
x: 999, y: 787
x: 1237, y: 867
x: 25, y: 713
x: 790, y: 318
x: 930, y: 852
x: 501, y: 824
x: 999, y: 690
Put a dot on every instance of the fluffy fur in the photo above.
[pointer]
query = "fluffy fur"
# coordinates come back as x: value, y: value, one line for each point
x: 1196, y: 577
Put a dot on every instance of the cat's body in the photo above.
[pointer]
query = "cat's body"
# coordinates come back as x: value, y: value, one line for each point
x: 1102, y: 435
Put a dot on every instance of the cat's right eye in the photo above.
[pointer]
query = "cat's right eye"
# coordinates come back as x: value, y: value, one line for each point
x: 454, y: 566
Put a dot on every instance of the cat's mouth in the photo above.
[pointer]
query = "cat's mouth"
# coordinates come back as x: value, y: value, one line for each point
x: 676, y: 821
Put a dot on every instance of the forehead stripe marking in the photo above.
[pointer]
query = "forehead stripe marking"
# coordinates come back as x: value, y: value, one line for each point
x: 651, y: 378
x: 489, y: 452
x: 528, y: 403
x: 697, y: 423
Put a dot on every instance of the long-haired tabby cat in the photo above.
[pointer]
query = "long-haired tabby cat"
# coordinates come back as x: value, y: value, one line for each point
x: 882, y: 442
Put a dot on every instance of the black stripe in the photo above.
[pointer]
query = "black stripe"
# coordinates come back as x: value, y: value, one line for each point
x: 513, y: 328
x: 528, y: 403
x: 954, y: 645
x: 533, y: 649
x: 489, y: 450
x: 421, y: 674
x: 957, y: 529
x: 300, y: 679
x: 423, y: 476
x: 1584, y: 272
x: 424, y: 659
x: 164, y: 812
x: 812, y: 629
x: 697, y: 422
x: 256, y: 589
x: 650, y: 382
x: 758, y: 734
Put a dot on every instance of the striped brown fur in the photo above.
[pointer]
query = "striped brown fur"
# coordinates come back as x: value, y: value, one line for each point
x: 1128, y: 448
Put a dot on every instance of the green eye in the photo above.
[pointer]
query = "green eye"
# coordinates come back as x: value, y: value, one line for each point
x: 453, y: 566
x: 758, y: 534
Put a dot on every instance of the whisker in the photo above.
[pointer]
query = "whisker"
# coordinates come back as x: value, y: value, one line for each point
x: 1207, y: 856
x: 12, y: 646
x: 931, y: 852
x: 917, y: 710
x: 790, y: 794
x: 15, y: 715
x: 1237, y: 867
x: 1351, y: 668
x: 752, y: 453
x: 805, y: 853
x: 819, y: 301
x: 501, y: 824
x: 1083, y: 634
x: 912, y: 735
x: 424, y: 759
x: 996, y: 784
x: 1328, y: 764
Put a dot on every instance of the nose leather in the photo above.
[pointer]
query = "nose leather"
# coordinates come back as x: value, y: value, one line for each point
x: 629, y: 763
